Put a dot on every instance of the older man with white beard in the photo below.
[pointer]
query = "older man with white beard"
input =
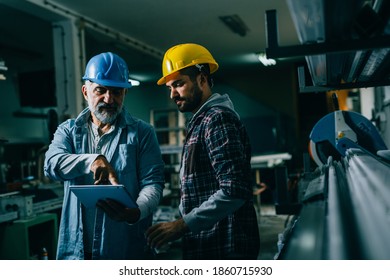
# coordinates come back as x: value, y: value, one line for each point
x: 106, y: 145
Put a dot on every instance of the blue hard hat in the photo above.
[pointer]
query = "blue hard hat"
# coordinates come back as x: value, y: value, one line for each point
x: 108, y: 69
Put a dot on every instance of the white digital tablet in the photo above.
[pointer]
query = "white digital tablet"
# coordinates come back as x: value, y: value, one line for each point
x: 90, y: 194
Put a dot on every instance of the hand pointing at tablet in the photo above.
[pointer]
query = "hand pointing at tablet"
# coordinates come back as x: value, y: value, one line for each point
x: 103, y: 172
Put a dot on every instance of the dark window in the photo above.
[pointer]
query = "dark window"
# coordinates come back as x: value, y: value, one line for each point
x: 37, y: 89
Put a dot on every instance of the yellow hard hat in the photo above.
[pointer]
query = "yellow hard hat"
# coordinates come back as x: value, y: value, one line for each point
x: 185, y: 55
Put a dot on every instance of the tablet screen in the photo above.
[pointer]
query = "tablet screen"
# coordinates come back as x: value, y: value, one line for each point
x: 90, y: 194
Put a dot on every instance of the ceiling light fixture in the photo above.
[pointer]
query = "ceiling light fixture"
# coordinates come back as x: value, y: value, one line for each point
x: 235, y: 23
x: 2, y: 68
x: 264, y: 60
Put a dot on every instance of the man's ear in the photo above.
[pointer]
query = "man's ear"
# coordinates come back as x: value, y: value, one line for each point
x: 84, y: 91
x: 203, y: 79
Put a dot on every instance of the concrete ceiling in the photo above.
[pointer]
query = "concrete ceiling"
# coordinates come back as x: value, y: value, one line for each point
x: 161, y: 23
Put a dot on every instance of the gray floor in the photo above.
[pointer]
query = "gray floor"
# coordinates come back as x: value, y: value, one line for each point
x: 270, y: 225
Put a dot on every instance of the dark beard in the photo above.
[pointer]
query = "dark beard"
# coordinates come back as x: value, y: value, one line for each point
x: 193, y: 102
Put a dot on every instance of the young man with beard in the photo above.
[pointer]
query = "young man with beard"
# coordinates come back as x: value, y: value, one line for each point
x: 218, y: 217
x: 106, y: 145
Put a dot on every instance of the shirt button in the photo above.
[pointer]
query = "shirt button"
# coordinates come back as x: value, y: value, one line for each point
x: 98, y: 147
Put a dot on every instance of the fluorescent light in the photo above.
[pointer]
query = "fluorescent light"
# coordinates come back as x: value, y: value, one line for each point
x: 134, y: 83
x: 2, y: 68
x: 235, y: 23
x: 2, y: 65
x: 266, y: 61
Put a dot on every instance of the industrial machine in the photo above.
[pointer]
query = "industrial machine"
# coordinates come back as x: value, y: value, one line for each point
x: 28, y: 222
x: 344, y: 202
x: 341, y: 208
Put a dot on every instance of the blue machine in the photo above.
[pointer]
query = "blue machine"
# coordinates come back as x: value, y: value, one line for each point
x: 340, y: 130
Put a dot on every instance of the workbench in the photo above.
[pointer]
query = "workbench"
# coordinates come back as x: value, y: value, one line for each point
x: 24, y: 239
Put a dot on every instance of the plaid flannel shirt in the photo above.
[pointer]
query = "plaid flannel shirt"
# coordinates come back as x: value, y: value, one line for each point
x: 216, y: 155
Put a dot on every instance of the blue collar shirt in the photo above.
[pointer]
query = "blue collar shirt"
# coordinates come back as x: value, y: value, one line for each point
x: 134, y: 153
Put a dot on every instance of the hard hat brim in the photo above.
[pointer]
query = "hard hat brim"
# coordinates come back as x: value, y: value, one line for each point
x: 110, y: 83
x: 167, y: 78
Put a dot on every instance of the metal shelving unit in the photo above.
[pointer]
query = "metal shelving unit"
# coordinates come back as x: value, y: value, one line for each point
x: 170, y: 128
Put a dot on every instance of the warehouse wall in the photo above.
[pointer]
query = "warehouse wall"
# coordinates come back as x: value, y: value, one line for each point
x: 139, y: 101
